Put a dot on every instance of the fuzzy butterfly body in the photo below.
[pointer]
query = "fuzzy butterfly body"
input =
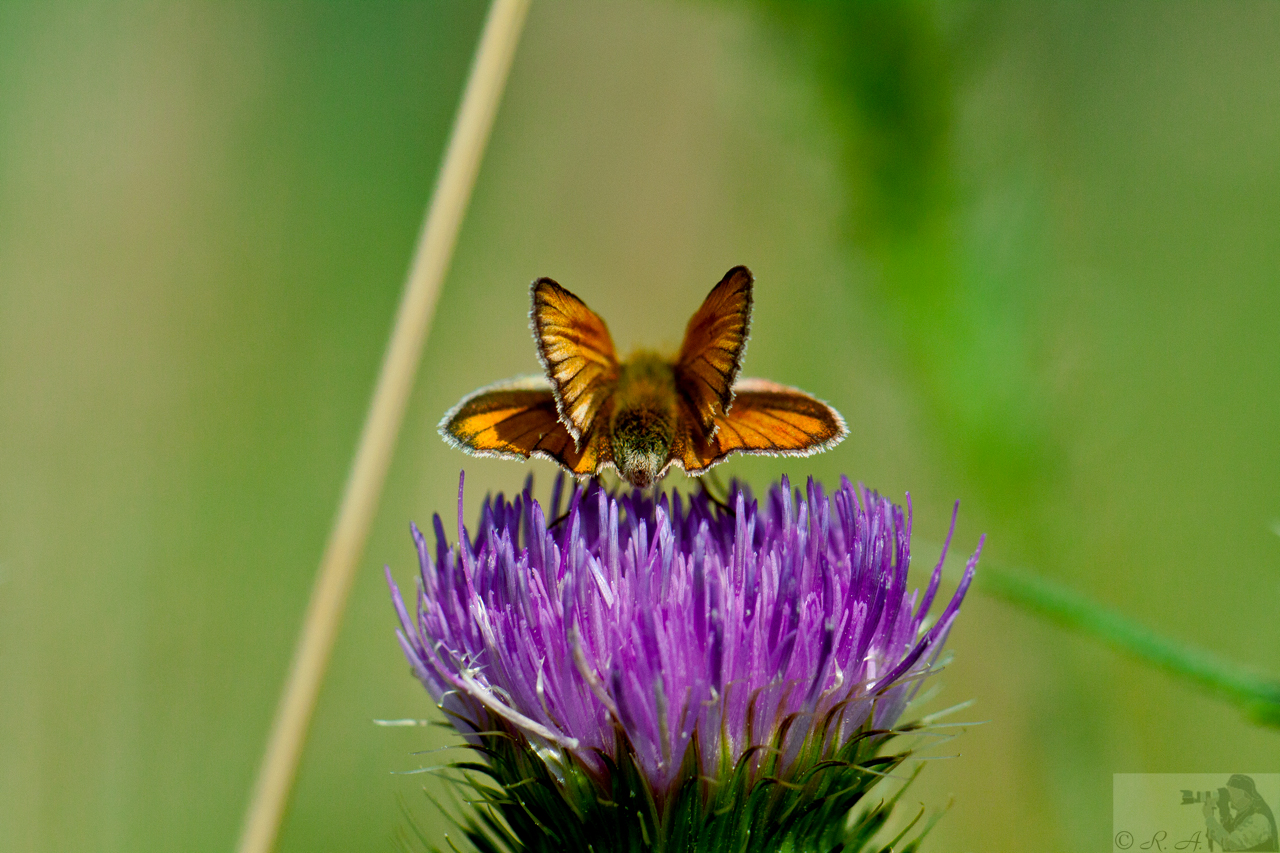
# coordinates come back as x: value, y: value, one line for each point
x: 590, y: 411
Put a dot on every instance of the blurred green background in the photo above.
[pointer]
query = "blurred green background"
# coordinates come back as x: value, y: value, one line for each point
x: 1030, y: 252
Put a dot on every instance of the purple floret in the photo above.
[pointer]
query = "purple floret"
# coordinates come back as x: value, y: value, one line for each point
x: 676, y: 622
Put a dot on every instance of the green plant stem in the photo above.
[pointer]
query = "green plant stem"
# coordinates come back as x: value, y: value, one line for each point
x: 1256, y: 693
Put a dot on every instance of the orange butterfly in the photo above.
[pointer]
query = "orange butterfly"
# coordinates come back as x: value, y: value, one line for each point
x: 591, y: 411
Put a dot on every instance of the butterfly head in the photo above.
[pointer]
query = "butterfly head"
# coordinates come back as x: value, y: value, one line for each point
x: 641, y: 446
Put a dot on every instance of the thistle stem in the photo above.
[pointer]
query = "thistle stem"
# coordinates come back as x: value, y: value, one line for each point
x: 382, y: 424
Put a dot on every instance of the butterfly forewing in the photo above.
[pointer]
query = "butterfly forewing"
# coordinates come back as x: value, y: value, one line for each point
x: 577, y: 353
x: 767, y: 419
x: 714, y: 342
x: 517, y: 419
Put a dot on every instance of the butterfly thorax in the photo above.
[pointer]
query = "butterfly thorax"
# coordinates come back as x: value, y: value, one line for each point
x: 643, y: 420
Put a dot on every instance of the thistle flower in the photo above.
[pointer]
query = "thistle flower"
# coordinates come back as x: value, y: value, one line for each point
x: 671, y: 676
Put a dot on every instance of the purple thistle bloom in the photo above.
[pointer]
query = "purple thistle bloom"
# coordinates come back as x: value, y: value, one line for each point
x: 786, y: 626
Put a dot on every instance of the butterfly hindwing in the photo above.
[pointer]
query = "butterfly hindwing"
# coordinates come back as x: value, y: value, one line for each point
x: 766, y: 419
x: 714, y: 343
x: 517, y: 419
x: 577, y: 352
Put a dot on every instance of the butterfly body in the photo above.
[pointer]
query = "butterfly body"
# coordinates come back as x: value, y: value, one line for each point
x: 643, y: 415
x: 643, y: 418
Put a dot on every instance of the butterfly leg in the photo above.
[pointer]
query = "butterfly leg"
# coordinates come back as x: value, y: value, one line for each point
x: 597, y: 479
x: 706, y: 490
